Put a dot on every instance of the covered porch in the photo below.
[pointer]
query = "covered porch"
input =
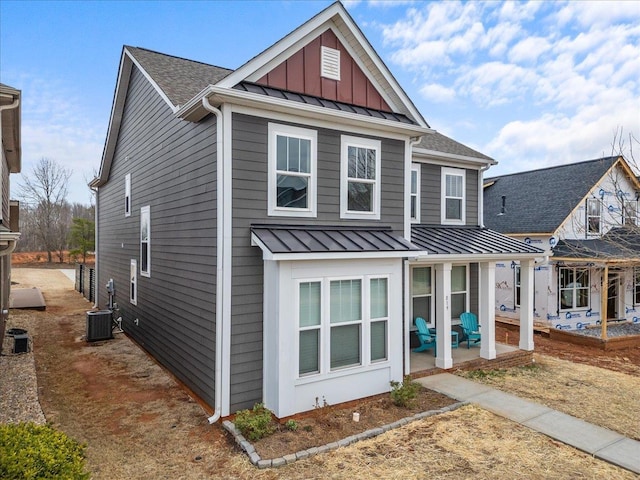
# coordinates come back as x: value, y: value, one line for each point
x: 454, y: 273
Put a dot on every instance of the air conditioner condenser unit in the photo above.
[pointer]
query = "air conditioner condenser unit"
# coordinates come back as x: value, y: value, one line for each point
x: 99, y: 325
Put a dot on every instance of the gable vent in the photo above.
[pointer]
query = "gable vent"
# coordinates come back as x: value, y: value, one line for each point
x: 330, y: 63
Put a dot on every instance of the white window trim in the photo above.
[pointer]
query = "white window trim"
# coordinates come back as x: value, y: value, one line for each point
x: 145, y: 213
x: 625, y: 216
x: 467, y: 290
x: 443, y: 203
x: 347, y: 141
x: 312, y: 202
x: 516, y: 285
x: 432, y: 309
x: 574, y: 289
x: 133, y: 282
x: 127, y: 195
x: 326, y: 372
x: 415, y: 167
x: 599, y: 216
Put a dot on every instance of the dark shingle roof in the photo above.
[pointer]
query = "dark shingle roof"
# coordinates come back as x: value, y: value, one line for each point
x: 180, y: 79
x: 538, y: 201
x: 617, y: 244
x: 329, y: 239
x: 441, y: 143
x: 322, y: 102
x: 466, y: 240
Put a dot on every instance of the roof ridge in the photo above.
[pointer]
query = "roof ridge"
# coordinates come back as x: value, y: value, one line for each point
x: 177, y: 57
x: 554, y: 167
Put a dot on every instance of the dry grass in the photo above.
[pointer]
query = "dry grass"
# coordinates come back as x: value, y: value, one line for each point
x: 139, y: 424
x: 605, y: 398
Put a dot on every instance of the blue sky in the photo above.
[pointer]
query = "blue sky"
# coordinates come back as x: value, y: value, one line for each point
x: 531, y: 84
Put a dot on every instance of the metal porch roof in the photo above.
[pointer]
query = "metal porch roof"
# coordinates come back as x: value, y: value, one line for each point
x: 322, y: 102
x: 467, y: 240
x: 291, y: 239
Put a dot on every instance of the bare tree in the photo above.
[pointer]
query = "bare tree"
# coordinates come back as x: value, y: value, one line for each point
x: 45, y: 191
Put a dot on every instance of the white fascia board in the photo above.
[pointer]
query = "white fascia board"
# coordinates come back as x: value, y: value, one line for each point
x: 422, y: 155
x: 115, y: 119
x: 268, y: 55
x: 382, y: 68
x: 238, y: 97
x: 433, y: 258
x: 163, y: 95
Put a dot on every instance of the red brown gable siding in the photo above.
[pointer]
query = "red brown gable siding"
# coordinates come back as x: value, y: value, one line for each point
x: 301, y: 73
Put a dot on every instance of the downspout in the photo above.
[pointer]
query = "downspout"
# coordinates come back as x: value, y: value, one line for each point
x: 481, y: 195
x: 406, y: 267
x: 96, y: 241
x: 11, y: 106
x: 219, y: 257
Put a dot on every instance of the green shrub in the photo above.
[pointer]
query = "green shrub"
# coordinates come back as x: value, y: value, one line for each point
x: 291, y: 425
x: 256, y: 423
x: 29, y: 451
x: 404, y: 394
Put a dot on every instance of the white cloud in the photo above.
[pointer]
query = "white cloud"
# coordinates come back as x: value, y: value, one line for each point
x: 529, y: 49
x: 437, y: 93
x: 56, y: 126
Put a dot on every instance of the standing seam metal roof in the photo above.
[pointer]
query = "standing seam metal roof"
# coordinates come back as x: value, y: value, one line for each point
x: 466, y: 240
x: 321, y: 102
x: 324, y: 239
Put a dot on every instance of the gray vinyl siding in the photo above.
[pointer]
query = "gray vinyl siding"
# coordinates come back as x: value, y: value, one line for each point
x: 173, y: 170
x: 250, y: 166
x: 474, y: 283
x: 431, y: 195
x: 5, y: 192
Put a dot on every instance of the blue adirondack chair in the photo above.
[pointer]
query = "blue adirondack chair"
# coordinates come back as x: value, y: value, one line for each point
x: 470, y: 327
x: 427, y: 339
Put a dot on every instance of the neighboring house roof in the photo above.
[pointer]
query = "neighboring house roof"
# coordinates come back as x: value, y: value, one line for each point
x: 437, y: 144
x: 11, y: 112
x: 180, y: 79
x: 467, y: 240
x: 539, y: 201
x: 322, y: 102
x: 618, y: 244
x: 333, y: 240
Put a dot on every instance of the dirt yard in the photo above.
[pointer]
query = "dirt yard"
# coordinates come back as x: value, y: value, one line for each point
x: 139, y: 424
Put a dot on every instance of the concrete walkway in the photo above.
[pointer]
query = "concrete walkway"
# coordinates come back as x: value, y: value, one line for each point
x: 597, y: 441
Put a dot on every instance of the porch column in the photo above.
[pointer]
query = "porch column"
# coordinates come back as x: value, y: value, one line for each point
x: 526, y: 304
x: 443, y: 315
x: 487, y: 310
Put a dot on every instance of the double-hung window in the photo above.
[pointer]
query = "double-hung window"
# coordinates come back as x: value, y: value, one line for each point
x: 133, y: 282
x: 127, y: 195
x: 360, y: 178
x: 342, y: 323
x: 292, y: 171
x: 630, y: 212
x: 145, y: 241
x: 573, y: 286
x: 415, y: 193
x: 459, y: 294
x: 453, y: 196
x: 594, y: 214
x: 516, y: 285
x: 422, y: 295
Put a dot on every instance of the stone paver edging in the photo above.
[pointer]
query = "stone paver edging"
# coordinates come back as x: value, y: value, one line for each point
x: 255, y: 459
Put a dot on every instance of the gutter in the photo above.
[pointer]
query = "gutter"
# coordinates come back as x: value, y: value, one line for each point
x: 220, y: 290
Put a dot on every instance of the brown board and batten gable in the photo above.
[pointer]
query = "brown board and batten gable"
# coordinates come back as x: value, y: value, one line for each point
x: 353, y: 87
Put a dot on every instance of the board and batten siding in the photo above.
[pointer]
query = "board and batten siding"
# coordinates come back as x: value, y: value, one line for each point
x: 431, y: 195
x: 173, y: 170
x: 249, y: 173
